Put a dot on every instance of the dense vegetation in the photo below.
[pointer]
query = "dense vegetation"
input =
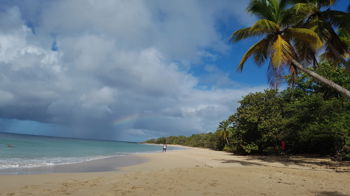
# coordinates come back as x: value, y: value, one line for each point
x: 312, y: 115
x: 308, y: 116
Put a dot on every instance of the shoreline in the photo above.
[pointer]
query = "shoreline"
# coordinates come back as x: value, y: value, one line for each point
x: 98, y: 165
x: 194, y: 171
x: 105, y: 164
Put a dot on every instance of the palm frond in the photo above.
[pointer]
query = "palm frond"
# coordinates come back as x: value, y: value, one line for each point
x: 329, y: 56
x: 303, y: 9
x: 319, y: 3
x: 261, y: 53
x: 259, y: 49
x: 274, y: 75
x: 345, y: 38
x: 337, y: 51
x: 325, y: 3
x: 306, y: 43
x: 224, y: 124
x: 283, y: 4
x: 244, y: 33
x: 281, y: 52
x: 261, y: 8
x: 297, y: 14
x: 337, y: 18
x: 298, y: 1
x: 305, y: 35
x: 335, y: 44
x: 306, y: 55
x: 268, y: 25
x: 261, y: 27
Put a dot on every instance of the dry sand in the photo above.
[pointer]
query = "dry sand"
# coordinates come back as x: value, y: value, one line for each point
x: 194, y: 172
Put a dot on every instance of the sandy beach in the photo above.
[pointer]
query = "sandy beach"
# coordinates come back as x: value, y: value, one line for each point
x: 194, y: 171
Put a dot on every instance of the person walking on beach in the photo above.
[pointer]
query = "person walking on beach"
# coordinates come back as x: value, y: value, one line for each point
x: 164, y: 147
x: 283, y: 146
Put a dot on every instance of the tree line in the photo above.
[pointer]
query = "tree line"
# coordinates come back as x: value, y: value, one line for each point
x: 308, y: 116
x: 307, y: 44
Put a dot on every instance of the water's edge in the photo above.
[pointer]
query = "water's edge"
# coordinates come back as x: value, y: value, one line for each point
x: 100, y: 165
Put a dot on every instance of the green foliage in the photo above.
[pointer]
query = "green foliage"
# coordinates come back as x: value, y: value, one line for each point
x: 320, y: 114
x: 259, y: 122
x: 291, y: 33
x: 210, y: 140
x: 309, y: 117
x: 281, y: 40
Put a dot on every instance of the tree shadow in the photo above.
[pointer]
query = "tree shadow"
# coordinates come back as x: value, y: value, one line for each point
x: 244, y: 163
x: 305, y: 161
x: 330, y: 193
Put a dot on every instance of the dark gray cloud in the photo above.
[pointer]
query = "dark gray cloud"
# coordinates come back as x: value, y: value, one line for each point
x: 120, y: 69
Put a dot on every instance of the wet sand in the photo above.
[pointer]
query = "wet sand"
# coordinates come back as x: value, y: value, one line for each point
x: 194, y: 172
x: 100, y: 165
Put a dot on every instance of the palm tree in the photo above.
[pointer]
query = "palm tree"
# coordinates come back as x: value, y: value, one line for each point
x: 345, y: 37
x: 282, y: 42
x: 232, y: 120
x: 319, y: 17
x: 223, y: 130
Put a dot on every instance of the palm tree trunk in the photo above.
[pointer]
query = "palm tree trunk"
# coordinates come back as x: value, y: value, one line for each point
x: 325, y: 81
x: 227, y: 141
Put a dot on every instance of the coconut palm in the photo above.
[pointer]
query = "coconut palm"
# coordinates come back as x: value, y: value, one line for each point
x: 232, y: 120
x: 223, y: 130
x: 282, y: 43
x: 319, y: 17
x: 345, y: 37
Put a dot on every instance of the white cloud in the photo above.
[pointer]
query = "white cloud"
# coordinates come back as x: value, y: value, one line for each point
x: 115, y: 59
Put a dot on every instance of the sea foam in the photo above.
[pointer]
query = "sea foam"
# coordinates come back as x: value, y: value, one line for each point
x: 19, y: 163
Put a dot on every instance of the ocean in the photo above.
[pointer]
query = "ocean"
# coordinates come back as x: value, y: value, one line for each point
x: 27, y: 151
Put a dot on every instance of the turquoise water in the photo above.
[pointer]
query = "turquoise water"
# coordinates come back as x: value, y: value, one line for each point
x: 26, y: 151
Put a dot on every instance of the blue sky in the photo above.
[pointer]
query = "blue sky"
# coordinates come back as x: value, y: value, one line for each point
x: 124, y: 70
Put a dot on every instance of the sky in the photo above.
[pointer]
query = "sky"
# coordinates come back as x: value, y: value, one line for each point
x: 122, y: 69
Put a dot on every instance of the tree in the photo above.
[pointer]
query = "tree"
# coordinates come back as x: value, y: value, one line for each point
x: 317, y: 118
x: 322, y: 19
x: 310, y: 117
x: 223, y: 130
x: 259, y: 122
x: 283, y: 43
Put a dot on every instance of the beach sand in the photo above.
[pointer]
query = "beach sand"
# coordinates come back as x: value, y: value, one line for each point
x: 194, y: 171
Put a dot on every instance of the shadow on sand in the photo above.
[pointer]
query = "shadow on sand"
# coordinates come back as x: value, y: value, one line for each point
x: 305, y: 161
x: 329, y: 193
x: 244, y: 163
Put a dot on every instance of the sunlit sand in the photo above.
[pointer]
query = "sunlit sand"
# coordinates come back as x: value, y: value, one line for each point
x: 193, y: 171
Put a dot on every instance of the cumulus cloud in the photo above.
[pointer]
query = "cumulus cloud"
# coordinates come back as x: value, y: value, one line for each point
x: 119, y: 69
